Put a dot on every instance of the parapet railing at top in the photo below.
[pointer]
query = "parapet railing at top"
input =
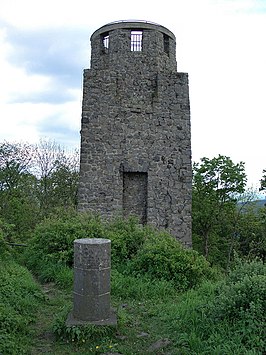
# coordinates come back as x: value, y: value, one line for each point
x: 133, y: 20
x: 134, y: 24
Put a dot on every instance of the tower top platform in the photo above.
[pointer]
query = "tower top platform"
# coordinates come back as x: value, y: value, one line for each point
x: 133, y: 25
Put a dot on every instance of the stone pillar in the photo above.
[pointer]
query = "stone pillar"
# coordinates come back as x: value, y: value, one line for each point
x: 91, y: 296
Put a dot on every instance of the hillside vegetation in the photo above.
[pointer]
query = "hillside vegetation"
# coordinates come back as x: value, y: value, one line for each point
x: 169, y: 300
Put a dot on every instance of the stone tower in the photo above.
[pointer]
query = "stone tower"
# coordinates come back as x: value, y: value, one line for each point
x: 135, y: 134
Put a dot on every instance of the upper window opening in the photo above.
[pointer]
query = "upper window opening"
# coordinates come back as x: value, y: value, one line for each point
x: 105, y: 41
x: 136, y: 41
x: 166, y: 40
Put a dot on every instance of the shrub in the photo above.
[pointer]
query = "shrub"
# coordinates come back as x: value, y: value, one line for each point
x: 247, y: 296
x: 127, y: 238
x: 163, y: 257
x: 243, y: 294
x: 242, y: 268
x: 54, y: 237
x: 51, y: 247
x: 135, y: 249
x: 241, y: 303
x: 3, y: 245
x: 5, y: 233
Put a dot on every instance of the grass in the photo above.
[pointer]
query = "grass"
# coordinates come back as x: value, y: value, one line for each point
x: 147, y: 311
x: 20, y: 297
x: 168, y: 300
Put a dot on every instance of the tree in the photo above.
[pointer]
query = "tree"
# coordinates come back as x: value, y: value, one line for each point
x: 63, y: 182
x: 18, y: 203
x: 16, y: 160
x: 263, y: 181
x: 216, y: 185
x: 252, y: 231
x: 34, y: 180
x: 58, y: 173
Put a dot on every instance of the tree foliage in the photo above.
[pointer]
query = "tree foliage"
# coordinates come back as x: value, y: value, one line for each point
x: 37, y: 181
x: 58, y: 173
x: 34, y: 181
x: 15, y: 163
x: 263, y: 181
x: 220, y: 177
x: 251, y: 232
x: 216, y: 185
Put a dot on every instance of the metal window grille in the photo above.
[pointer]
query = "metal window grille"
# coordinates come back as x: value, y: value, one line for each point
x: 105, y: 40
x: 136, y: 41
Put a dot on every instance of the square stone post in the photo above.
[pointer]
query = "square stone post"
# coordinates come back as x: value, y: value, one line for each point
x: 92, y: 271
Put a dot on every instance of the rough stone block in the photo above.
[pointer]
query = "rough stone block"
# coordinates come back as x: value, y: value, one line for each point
x: 91, y: 282
x: 91, y: 296
x: 91, y: 307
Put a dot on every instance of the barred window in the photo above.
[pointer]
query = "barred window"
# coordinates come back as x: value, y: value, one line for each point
x: 105, y: 41
x: 136, y: 41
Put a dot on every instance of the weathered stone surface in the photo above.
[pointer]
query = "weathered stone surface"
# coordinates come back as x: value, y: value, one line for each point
x: 111, y: 321
x: 92, y: 267
x: 91, y: 307
x: 135, y: 134
x: 135, y: 195
x: 92, y: 282
x: 92, y: 254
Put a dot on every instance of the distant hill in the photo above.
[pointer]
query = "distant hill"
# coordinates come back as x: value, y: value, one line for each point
x: 260, y: 203
x: 256, y: 204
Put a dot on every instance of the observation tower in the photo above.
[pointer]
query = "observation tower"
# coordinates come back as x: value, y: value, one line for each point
x: 135, y: 133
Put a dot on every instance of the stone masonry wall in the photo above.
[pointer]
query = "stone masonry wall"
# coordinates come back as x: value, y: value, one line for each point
x: 136, y: 125
x: 135, y: 189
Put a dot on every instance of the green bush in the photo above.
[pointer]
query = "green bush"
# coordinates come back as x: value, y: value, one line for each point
x: 241, y: 304
x: 54, y: 237
x: 135, y: 250
x: 22, y: 213
x: 6, y: 233
x: 243, y: 267
x: 243, y: 296
x: 3, y: 245
x: 163, y: 257
x: 52, y: 245
x: 127, y: 238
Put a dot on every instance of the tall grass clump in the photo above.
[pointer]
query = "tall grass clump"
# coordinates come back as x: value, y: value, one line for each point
x: 129, y: 287
x: 20, y: 298
x: 225, y: 317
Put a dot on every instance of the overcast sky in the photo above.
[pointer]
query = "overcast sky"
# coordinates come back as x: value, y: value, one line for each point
x: 45, y: 45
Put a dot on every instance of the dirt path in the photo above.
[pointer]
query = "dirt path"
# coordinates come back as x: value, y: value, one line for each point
x: 44, y: 341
